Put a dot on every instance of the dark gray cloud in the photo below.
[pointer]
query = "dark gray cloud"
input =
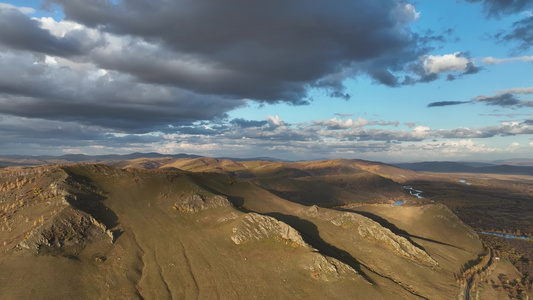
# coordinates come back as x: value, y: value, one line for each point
x: 247, y: 123
x: 410, y: 124
x: 18, y: 31
x: 388, y: 123
x: 413, y: 71
x: 35, y: 129
x: 384, y: 77
x: 471, y: 68
x: 521, y: 32
x: 269, y: 50
x: 446, y: 103
x: 422, y: 75
x: 511, y: 116
x: 343, y: 115
x: 144, y: 73
x: 340, y: 95
x: 110, y: 100
x: 451, y: 77
x: 496, y: 8
x: 504, y: 100
x: 430, y: 36
x: 138, y: 67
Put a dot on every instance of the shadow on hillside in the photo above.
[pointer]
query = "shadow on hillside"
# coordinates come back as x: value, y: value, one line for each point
x: 383, y: 222
x: 310, y: 234
x: 306, y: 198
x: 89, y: 199
x: 238, y: 202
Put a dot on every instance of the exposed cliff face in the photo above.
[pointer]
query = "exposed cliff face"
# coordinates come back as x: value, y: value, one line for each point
x: 329, y: 269
x: 67, y: 232
x: 42, y: 210
x: 257, y: 227
x: 196, y: 203
x: 376, y: 233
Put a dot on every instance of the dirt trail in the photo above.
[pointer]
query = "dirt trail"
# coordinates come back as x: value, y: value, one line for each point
x: 470, y: 280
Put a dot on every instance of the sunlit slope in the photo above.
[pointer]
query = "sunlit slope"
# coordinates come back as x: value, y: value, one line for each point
x: 375, y: 249
x: 271, y: 168
x: 433, y: 227
x: 323, y: 182
x: 94, y: 231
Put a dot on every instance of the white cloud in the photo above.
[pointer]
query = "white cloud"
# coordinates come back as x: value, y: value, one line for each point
x: 465, y: 146
x: 274, y: 121
x: 446, y: 63
x: 494, y: 61
x: 61, y: 28
x: 341, y: 124
x: 421, y: 129
x: 447, y: 149
x: 523, y: 91
x: 405, y: 13
x: 514, y: 146
x: 421, y: 132
x: 174, y: 147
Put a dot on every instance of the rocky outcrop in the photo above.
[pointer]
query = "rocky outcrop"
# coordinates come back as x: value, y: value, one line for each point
x: 329, y: 269
x: 63, y: 208
x: 67, y: 233
x: 58, y: 189
x: 231, y: 216
x: 257, y: 227
x: 374, y: 232
x: 196, y: 203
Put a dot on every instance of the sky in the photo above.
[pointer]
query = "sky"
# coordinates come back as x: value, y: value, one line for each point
x: 387, y: 80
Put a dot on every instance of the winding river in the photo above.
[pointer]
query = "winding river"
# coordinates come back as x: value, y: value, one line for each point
x: 465, y: 182
x: 413, y: 191
x: 507, y: 236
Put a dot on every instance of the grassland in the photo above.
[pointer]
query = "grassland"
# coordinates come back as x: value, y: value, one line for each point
x: 168, y: 228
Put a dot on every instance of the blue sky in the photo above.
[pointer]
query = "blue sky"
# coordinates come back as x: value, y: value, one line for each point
x: 390, y: 81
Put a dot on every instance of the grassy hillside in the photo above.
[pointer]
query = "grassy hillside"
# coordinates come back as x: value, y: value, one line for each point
x: 95, y: 231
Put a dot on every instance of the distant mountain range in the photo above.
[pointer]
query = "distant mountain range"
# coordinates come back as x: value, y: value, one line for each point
x: 468, y: 167
x: 94, y: 158
x: 28, y: 160
x: 517, y: 166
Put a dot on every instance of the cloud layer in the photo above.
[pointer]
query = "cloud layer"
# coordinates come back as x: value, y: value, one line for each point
x: 263, y: 50
x: 162, y: 75
x: 138, y: 67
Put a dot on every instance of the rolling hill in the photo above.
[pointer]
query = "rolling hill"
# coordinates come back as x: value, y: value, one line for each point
x: 166, y: 228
